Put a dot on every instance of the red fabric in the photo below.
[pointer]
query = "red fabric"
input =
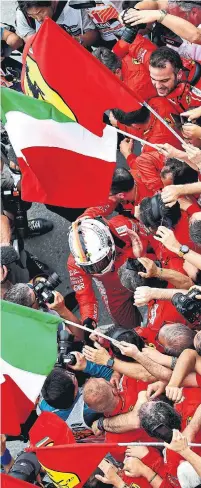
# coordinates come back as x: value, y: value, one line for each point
x: 15, y: 407
x: 198, y: 379
x: 70, y: 167
x: 146, y: 170
x: 116, y: 298
x: 67, y: 464
x: 153, y: 460
x: 184, y: 96
x: 153, y: 130
x: 50, y: 425
x: 128, y: 399
x: 135, y: 71
x: 193, y: 15
x: 187, y: 408
x: 8, y: 482
x: 89, y: 103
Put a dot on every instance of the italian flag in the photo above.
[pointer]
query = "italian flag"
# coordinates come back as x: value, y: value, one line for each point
x: 62, y: 163
x: 28, y: 354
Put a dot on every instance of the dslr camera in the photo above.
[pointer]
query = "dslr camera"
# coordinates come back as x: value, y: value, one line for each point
x: 66, y: 345
x: 188, y: 305
x: 43, y: 288
x: 129, y: 32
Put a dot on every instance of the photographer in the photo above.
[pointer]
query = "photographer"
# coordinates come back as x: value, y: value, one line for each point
x: 181, y: 21
x: 31, y: 14
x: 26, y: 294
x: 61, y: 395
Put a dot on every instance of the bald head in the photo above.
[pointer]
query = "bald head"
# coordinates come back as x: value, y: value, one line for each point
x: 99, y: 395
x: 175, y: 338
x: 197, y: 342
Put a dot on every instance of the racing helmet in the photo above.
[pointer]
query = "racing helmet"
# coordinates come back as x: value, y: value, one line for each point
x: 92, y: 245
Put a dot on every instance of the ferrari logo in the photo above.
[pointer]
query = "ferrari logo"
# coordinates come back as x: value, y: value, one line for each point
x: 62, y: 480
x: 35, y: 86
x: 133, y: 485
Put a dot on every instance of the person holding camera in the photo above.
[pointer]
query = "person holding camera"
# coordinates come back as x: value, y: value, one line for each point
x: 61, y: 395
x: 181, y: 19
x: 31, y: 14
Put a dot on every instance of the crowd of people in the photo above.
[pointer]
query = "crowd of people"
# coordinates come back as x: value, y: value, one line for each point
x: 140, y: 250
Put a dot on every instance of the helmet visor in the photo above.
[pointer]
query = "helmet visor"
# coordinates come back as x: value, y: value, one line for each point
x: 100, y: 266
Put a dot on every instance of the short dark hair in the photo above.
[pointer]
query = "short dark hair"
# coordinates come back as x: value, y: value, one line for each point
x: 153, y: 212
x: 159, y: 412
x: 24, y: 6
x: 195, y: 232
x: 108, y: 58
x: 181, y: 172
x: 58, y: 390
x: 122, y: 181
x: 20, y: 294
x: 163, y: 55
x: 127, y: 335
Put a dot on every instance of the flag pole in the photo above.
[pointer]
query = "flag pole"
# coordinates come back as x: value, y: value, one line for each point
x: 131, y: 136
x: 163, y: 121
x: 148, y: 444
x: 100, y: 334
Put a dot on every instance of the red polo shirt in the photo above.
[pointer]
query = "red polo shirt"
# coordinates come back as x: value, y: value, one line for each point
x: 127, y: 400
x: 186, y: 409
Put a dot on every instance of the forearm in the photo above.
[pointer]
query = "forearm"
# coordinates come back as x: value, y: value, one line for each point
x: 157, y: 370
x: 14, y: 41
x: 132, y: 370
x: 182, y: 28
x: 147, y: 5
x: 5, y: 231
x: 178, y: 280
x: 165, y: 294
x: 190, y: 188
x: 66, y: 314
x: 149, y: 473
x: 185, y: 365
x: 124, y: 422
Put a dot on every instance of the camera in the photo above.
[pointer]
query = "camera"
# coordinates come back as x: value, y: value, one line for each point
x: 43, y: 288
x: 26, y: 467
x: 129, y: 32
x: 14, y: 204
x: 66, y: 345
x: 188, y: 306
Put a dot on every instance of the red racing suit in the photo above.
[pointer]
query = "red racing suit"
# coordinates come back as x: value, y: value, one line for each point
x: 117, y: 299
x: 185, y: 95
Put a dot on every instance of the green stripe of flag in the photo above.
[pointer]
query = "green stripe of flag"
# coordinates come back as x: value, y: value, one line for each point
x: 15, y: 101
x: 28, y: 338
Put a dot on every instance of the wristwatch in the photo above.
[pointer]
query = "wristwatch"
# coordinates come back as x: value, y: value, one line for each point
x: 183, y: 250
x: 110, y: 363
